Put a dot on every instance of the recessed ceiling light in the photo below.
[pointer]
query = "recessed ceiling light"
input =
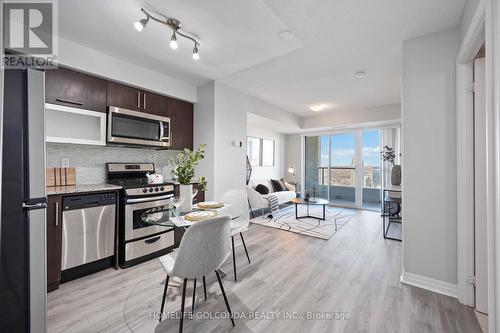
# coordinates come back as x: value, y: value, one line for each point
x: 286, y: 34
x: 317, y: 107
x: 360, y: 75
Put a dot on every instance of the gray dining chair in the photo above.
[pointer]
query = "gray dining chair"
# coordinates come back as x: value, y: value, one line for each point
x: 203, y: 249
x: 238, y: 198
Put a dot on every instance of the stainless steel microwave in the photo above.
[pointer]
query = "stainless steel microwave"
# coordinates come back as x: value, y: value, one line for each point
x: 126, y: 127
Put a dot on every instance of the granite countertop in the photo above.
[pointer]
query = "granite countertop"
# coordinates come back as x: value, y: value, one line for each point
x: 57, y: 190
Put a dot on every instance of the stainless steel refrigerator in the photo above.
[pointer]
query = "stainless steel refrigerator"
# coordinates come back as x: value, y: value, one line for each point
x: 23, y: 293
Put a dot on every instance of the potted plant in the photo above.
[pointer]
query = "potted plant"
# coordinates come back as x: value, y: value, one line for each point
x: 388, y: 155
x: 184, y: 165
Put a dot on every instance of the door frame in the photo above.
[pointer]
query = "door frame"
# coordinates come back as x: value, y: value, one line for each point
x: 473, y: 41
x: 484, y: 28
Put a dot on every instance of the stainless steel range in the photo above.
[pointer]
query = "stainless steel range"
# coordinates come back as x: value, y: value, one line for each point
x: 141, y: 202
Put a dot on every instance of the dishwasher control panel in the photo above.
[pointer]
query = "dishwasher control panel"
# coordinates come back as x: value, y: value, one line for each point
x: 89, y: 200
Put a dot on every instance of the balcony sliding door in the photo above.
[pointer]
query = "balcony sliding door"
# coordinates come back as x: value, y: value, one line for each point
x: 372, y: 174
x: 344, y: 168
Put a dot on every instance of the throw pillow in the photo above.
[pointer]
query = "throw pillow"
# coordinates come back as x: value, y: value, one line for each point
x: 262, y: 189
x: 278, y: 185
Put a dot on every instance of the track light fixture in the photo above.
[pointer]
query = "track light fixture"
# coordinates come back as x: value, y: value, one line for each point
x: 173, y: 41
x: 141, y: 24
x: 196, y: 56
x: 173, y: 24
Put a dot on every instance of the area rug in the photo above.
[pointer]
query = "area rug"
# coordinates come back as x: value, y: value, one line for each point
x: 285, y: 219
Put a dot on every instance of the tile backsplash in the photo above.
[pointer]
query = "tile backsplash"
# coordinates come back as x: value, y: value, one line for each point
x: 90, y: 161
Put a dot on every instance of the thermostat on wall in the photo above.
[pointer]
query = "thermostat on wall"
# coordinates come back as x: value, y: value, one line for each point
x: 238, y: 143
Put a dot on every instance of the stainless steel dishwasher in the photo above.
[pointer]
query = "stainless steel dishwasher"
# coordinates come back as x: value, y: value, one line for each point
x: 88, y: 228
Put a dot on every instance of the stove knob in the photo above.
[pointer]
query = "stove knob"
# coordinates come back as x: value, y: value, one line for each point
x: 144, y: 190
x: 156, y: 189
x: 150, y: 189
x: 162, y: 188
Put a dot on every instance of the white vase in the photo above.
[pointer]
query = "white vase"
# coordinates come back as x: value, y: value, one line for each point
x: 186, y: 191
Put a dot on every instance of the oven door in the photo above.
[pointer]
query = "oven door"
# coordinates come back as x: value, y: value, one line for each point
x: 138, y: 214
x: 137, y: 128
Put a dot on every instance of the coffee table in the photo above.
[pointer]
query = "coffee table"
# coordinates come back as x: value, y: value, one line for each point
x: 310, y: 202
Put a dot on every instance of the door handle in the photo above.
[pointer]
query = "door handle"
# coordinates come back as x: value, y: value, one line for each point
x: 57, y: 213
x: 39, y: 205
x: 152, y: 240
x: 69, y: 102
x: 162, y: 134
x: 138, y: 100
x: 144, y: 102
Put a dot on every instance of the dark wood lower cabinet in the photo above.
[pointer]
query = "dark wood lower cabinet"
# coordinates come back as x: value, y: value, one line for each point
x: 54, y: 241
x: 200, y: 196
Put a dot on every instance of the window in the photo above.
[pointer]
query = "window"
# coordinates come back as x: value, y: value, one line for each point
x: 260, y: 151
x: 345, y: 167
x: 267, y: 152
x: 253, y: 150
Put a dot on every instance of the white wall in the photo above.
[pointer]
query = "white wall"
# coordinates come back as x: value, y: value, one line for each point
x: 94, y: 62
x: 429, y: 156
x: 231, y: 109
x: 221, y: 118
x: 204, y: 133
x: 269, y: 172
x: 293, y: 157
x: 381, y: 114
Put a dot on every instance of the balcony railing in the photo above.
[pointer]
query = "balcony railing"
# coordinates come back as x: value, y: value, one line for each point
x: 346, y: 176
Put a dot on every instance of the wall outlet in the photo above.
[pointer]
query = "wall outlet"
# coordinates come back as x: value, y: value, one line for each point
x: 65, y: 162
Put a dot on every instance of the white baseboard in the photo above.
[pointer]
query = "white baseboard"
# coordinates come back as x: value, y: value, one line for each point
x: 437, y: 286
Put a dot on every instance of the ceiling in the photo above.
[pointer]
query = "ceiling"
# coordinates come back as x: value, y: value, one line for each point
x: 233, y: 34
x: 240, y: 44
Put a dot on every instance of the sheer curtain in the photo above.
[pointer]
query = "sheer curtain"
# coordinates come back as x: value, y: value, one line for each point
x: 391, y: 136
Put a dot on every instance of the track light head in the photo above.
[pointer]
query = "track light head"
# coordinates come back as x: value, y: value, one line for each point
x: 173, y: 42
x: 141, y: 24
x: 196, y: 56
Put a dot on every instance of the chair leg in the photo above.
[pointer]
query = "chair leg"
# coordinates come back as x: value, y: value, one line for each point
x: 225, y: 297
x: 194, y: 295
x: 183, y: 302
x: 234, y: 259
x: 164, y: 297
x: 244, y: 245
x: 205, y: 288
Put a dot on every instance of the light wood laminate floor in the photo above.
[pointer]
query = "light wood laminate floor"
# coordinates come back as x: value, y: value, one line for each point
x: 356, y: 272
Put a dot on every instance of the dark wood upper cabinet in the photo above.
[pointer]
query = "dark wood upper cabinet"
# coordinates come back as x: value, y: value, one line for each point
x: 124, y: 96
x: 70, y: 88
x: 75, y: 89
x: 154, y: 103
x: 181, y: 122
x: 54, y: 241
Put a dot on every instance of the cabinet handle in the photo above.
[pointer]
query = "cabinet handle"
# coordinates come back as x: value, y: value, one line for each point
x: 138, y: 100
x: 57, y: 213
x: 144, y: 102
x: 68, y: 101
x: 152, y: 240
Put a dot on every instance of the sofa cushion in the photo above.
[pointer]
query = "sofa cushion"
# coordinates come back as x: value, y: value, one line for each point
x: 266, y: 182
x: 278, y: 185
x: 262, y: 189
x: 283, y: 196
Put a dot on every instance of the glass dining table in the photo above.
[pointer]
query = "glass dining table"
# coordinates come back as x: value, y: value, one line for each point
x: 171, y: 216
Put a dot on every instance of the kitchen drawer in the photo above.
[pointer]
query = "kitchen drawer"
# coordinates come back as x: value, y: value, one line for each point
x: 149, y: 245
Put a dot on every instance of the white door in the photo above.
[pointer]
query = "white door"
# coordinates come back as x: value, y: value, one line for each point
x: 480, y: 194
